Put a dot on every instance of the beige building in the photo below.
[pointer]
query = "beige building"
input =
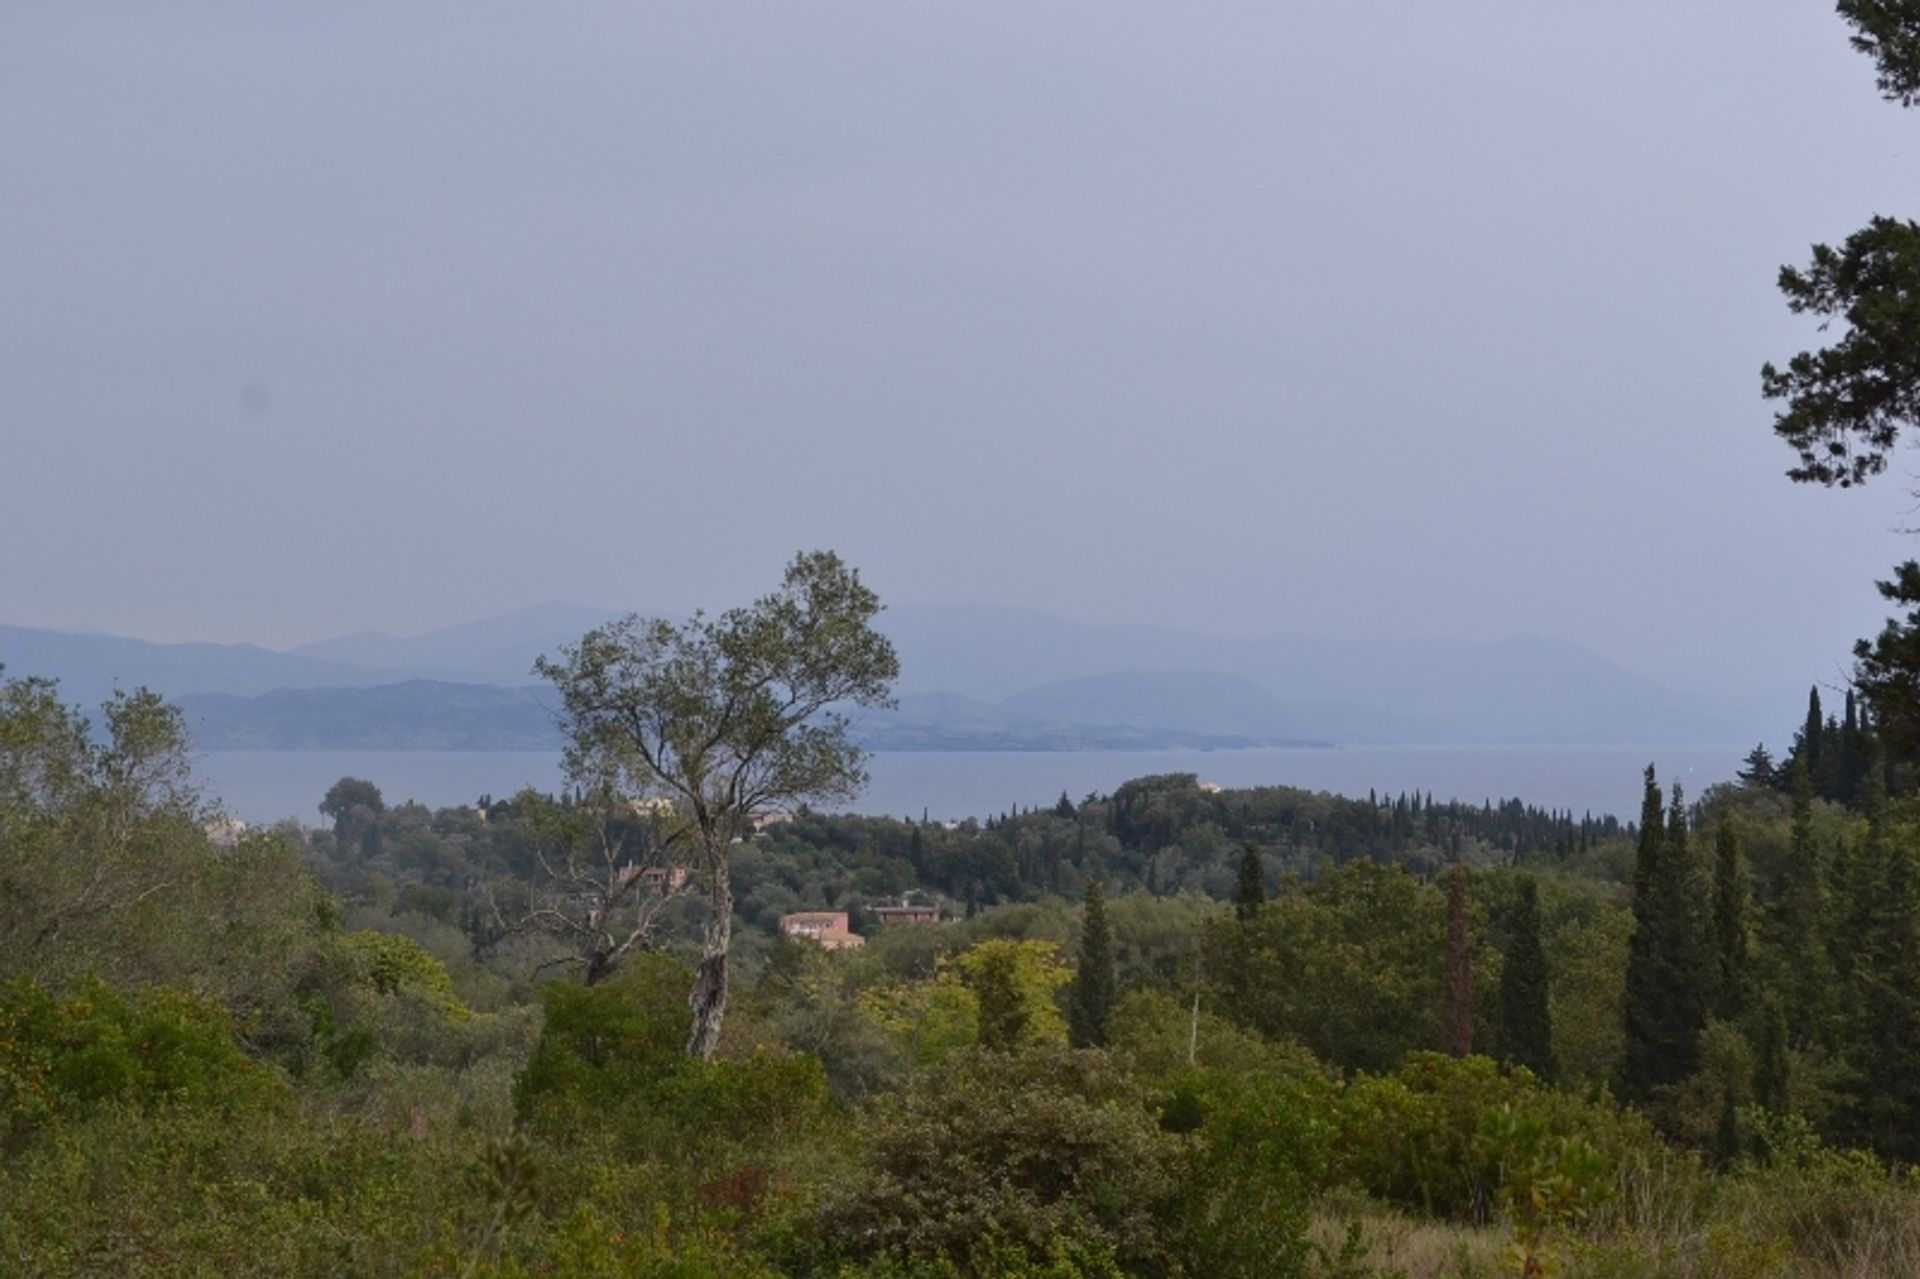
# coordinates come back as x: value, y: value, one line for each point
x: 828, y: 927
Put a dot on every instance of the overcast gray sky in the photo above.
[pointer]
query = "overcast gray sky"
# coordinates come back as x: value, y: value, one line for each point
x: 1352, y: 318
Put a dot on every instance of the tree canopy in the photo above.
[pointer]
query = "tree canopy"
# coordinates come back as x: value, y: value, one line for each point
x: 1846, y: 405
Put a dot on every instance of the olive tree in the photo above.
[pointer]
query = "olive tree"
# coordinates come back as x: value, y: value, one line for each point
x: 92, y: 826
x: 726, y: 718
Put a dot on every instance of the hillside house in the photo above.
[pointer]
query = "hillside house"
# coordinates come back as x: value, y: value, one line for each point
x: 828, y: 927
x: 665, y: 879
x: 905, y: 914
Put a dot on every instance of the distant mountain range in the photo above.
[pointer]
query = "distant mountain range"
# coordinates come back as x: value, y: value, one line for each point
x: 496, y: 650
x: 972, y: 678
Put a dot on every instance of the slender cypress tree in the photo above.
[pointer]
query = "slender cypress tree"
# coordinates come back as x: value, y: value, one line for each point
x: 1890, y: 1000
x: 1772, y: 1073
x: 1686, y: 938
x: 1642, y: 1069
x: 1859, y: 885
x: 1810, y: 733
x: 1731, y: 896
x: 1853, y: 763
x: 1094, y: 992
x: 1669, y: 958
x: 1797, y: 921
x: 1526, y: 1017
x: 1458, y: 1013
x: 1250, y: 890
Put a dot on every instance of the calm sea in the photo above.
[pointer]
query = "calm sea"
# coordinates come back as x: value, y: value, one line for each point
x: 265, y: 786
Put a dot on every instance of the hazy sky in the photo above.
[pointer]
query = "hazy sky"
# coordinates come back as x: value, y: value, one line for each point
x: 1353, y: 318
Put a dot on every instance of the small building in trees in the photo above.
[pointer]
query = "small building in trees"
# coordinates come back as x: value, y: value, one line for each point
x: 828, y: 927
x: 665, y: 879
x: 904, y: 914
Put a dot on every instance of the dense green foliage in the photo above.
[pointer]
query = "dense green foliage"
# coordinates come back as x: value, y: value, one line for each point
x: 343, y: 1063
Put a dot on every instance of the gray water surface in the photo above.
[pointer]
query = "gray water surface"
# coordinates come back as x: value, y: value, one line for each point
x: 266, y: 786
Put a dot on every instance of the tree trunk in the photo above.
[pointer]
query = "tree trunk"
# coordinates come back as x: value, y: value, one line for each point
x: 708, y: 998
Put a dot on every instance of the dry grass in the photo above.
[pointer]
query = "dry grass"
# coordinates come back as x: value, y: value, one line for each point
x: 1419, y: 1249
x: 1740, y: 1241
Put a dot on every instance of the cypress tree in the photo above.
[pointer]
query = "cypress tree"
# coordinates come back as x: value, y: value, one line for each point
x: 1250, y: 890
x: 1526, y: 1018
x: 1731, y: 896
x: 1642, y: 1068
x: 1686, y: 937
x: 1797, y: 920
x: 1810, y: 733
x: 1094, y: 992
x: 1759, y: 771
x: 1890, y: 1002
x: 1457, y: 1022
x: 1772, y: 1073
x: 1668, y: 958
x: 1859, y: 884
x: 1853, y: 760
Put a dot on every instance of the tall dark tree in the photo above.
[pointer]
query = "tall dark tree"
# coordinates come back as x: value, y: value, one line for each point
x: 1772, y: 1066
x: 1853, y: 758
x: 1759, y: 770
x: 1807, y: 745
x: 1889, y: 980
x: 1797, y: 925
x: 1731, y: 897
x: 1858, y: 884
x: 1641, y: 1067
x: 1687, y: 935
x: 1887, y: 668
x: 355, y: 806
x: 1664, y: 1007
x: 1526, y: 1017
x: 1094, y: 986
x: 1250, y: 890
x: 1888, y: 31
x: 1847, y: 405
x: 1457, y: 1022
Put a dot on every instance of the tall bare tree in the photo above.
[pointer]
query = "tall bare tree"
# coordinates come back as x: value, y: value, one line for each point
x: 610, y: 868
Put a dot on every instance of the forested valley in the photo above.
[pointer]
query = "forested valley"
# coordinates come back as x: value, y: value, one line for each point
x: 1173, y: 1030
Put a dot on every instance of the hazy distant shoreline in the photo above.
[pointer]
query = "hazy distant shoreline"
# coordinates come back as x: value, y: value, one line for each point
x: 267, y: 786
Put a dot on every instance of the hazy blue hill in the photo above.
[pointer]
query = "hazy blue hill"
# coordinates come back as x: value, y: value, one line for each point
x: 972, y: 678
x: 90, y: 665
x: 1201, y: 702
x: 414, y: 715
x: 493, y: 649
x: 1396, y: 689
x: 991, y: 652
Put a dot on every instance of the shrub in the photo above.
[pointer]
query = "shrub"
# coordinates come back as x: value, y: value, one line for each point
x: 1262, y: 1143
x: 999, y: 1155
x: 68, y: 1056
